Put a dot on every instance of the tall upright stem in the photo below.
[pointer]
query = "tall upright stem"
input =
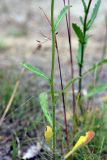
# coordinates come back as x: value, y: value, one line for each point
x: 52, y: 79
x: 72, y: 65
x: 68, y: 23
x: 62, y: 87
x: 82, y: 54
x: 63, y: 96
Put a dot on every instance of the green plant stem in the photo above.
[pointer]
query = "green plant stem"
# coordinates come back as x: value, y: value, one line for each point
x: 82, y: 55
x: 52, y: 79
x: 61, y: 80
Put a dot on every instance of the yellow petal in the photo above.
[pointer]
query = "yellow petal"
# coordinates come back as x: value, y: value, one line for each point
x: 104, y: 98
x: 82, y: 140
x: 48, y: 134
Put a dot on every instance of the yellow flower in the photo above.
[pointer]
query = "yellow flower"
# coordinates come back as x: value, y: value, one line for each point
x: 82, y: 141
x: 48, y: 134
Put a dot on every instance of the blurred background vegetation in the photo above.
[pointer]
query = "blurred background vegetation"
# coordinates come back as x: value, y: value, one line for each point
x: 24, y: 37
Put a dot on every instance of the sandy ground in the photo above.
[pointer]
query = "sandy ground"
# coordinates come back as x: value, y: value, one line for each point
x: 18, y: 16
x: 22, y: 24
x: 25, y: 18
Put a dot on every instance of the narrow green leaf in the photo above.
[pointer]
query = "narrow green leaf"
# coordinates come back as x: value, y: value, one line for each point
x: 36, y: 71
x: 104, y: 61
x: 97, y: 89
x: 43, y: 98
x: 70, y: 83
x: 84, y: 4
x: 98, y: 64
x: 78, y: 32
x: 94, y: 14
x: 78, y: 56
x: 81, y: 20
x: 61, y: 15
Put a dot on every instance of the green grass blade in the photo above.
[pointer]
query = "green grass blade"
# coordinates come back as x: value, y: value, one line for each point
x: 97, y: 89
x: 104, y: 61
x: 43, y: 98
x: 98, y: 64
x: 14, y: 151
x: 70, y: 83
x: 78, y: 32
x: 94, y: 14
x: 36, y: 71
x: 61, y: 15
